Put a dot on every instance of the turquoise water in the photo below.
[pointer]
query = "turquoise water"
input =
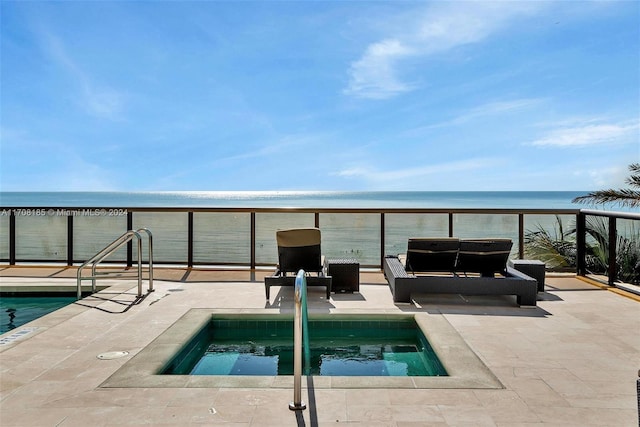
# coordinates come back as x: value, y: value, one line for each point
x: 319, y: 199
x: 338, y: 348
x: 17, y: 311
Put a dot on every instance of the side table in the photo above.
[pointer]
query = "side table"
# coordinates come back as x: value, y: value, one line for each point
x: 532, y: 268
x: 345, y: 274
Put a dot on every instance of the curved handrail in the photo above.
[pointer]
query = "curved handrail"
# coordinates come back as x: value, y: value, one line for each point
x: 110, y: 249
x: 300, y: 330
x: 150, y: 260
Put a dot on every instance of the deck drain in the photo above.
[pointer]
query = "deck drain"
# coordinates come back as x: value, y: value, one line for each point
x: 16, y: 335
x: 112, y: 355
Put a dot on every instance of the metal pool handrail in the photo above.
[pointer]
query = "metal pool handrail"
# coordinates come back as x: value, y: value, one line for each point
x: 300, y: 331
x: 111, y: 248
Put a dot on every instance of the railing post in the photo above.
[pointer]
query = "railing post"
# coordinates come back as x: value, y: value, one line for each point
x: 253, y: 241
x: 12, y: 238
x: 190, y: 239
x: 382, y: 242
x: 613, y: 242
x: 521, y: 236
x: 581, y: 244
x: 70, y: 240
x: 129, y: 244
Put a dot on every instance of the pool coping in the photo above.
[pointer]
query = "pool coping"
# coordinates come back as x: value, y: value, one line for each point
x: 466, y: 370
x: 21, y: 286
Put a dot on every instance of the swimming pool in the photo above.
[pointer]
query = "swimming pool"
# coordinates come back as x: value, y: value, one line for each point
x: 338, y: 347
x: 16, y: 311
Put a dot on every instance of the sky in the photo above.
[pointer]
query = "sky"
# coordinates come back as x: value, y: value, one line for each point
x: 318, y: 95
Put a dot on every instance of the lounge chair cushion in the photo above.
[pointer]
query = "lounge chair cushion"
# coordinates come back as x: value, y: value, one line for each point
x: 484, y: 256
x: 432, y: 254
x: 299, y: 249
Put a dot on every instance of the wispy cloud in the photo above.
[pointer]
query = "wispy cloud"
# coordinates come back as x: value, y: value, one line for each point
x: 438, y: 28
x: 374, y: 75
x: 98, y: 100
x: 491, y: 109
x: 406, y: 177
x: 589, y: 133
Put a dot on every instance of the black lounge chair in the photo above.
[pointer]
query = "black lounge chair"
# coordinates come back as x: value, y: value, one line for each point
x: 298, y: 248
x: 484, y: 256
x: 432, y: 254
x: 474, y: 272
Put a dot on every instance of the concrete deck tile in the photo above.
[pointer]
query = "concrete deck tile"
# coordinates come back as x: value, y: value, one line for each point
x: 572, y: 361
x: 460, y: 415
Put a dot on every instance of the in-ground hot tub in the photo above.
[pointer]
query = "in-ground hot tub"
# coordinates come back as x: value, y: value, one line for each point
x: 463, y: 369
x: 259, y: 345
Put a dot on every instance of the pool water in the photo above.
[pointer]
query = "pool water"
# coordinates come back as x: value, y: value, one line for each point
x: 338, y: 348
x: 17, y: 311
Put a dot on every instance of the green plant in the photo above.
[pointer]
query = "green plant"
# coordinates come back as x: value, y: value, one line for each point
x: 557, y: 248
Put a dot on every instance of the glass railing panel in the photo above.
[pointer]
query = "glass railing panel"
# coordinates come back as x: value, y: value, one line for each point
x: 266, y: 226
x: 400, y: 227
x: 551, y: 239
x: 628, y: 250
x: 41, y: 237
x: 170, y: 235
x: 483, y: 226
x: 222, y: 238
x: 597, y: 244
x: 4, y: 236
x: 351, y: 235
x: 91, y: 234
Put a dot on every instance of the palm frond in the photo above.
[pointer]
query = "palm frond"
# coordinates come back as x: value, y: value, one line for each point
x: 553, y: 248
x: 634, y: 179
x: 623, y: 197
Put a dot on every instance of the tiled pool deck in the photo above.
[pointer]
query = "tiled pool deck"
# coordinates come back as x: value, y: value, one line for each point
x: 572, y: 361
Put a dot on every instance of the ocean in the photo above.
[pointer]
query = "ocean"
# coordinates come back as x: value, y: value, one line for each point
x: 302, y: 199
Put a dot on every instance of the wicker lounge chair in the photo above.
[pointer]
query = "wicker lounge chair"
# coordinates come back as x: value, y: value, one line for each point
x: 298, y: 248
x: 474, y: 270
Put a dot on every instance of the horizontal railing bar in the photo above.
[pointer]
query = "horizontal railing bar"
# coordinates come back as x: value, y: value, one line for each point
x: 612, y: 214
x: 102, y: 276
x: 109, y: 273
x: 318, y: 210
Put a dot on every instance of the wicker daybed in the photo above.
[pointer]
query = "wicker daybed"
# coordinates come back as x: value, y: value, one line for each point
x: 457, y: 266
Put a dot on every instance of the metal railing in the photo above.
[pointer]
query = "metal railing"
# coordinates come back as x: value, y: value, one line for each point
x: 109, y: 250
x: 611, y: 245
x: 241, y: 236
x: 245, y: 237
